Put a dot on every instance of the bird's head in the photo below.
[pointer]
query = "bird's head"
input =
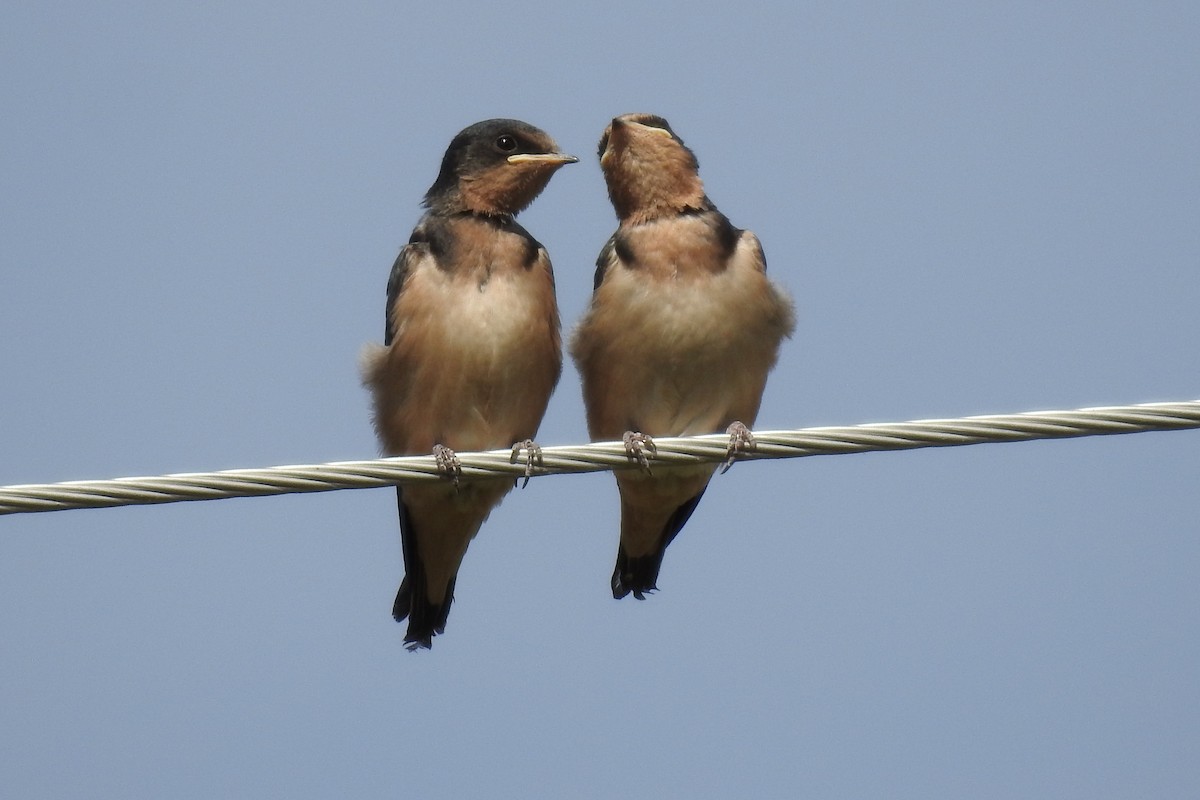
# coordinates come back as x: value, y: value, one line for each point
x: 650, y: 172
x: 495, y: 167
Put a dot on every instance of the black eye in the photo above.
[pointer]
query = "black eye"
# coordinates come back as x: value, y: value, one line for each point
x: 506, y: 143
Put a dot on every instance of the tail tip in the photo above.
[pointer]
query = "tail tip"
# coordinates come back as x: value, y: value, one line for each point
x: 638, y: 577
x: 425, y: 620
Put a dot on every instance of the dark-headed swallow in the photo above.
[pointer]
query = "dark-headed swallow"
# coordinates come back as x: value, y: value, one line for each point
x: 471, y: 349
x: 683, y: 327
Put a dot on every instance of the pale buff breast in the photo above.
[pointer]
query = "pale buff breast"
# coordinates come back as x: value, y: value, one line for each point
x: 690, y: 341
x: 472, y: 362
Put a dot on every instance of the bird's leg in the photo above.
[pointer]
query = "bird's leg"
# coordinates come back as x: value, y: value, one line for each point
x: 533, y: 455
x: 741, y: 441
x: 447, y: 462
x: 637, y: 444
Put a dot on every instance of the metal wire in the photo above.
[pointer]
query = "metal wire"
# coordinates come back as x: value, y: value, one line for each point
x: 601, y: 456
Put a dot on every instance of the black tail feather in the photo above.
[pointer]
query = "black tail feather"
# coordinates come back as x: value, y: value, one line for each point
x: 640, y: 575
x: 425, y: 619
x: 636, y: 575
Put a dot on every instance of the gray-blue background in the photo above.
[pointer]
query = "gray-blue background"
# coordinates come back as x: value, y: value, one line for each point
x: 978, y: 210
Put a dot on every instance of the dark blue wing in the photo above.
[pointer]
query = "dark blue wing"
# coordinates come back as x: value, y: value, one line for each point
x: 608, y: 254
x: 395, y: 284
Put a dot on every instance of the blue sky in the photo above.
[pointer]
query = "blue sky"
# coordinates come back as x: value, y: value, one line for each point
x: 978, y: 210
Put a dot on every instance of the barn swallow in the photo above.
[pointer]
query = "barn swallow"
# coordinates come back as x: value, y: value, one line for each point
x: 683, y: 327
x: 471, y: 349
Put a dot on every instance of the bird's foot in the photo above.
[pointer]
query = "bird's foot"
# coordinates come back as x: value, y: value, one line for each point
x: 637, y: 444
x: 447, y: 463
x: 533, y: 456
x: 741, y: 441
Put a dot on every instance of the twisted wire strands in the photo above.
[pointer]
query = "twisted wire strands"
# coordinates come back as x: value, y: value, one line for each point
x: 600, y: 456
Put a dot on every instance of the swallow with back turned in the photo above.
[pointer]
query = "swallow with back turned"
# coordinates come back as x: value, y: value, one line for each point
x: 471, y: 350
x: 683, y: 327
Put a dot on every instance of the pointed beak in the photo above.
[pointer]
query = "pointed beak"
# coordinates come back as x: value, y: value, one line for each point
x: 640, y: 127
x: 557, y: 159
